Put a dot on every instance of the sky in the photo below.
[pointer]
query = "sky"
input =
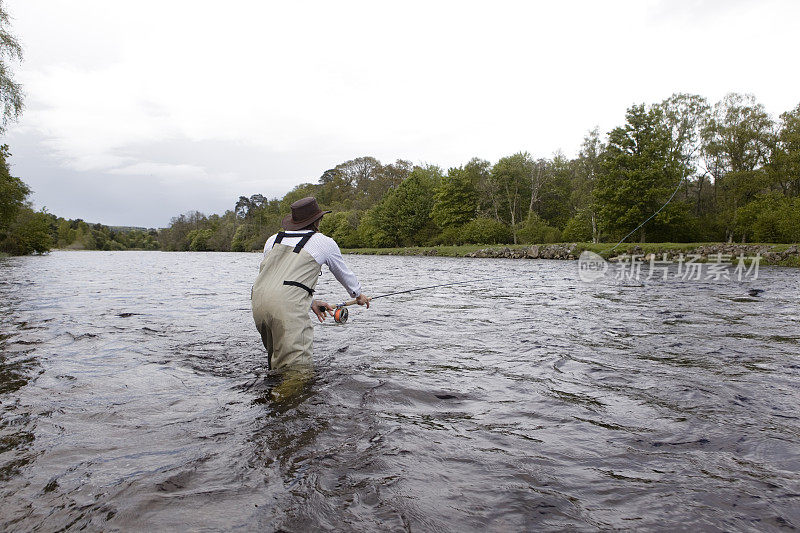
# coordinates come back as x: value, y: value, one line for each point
x: 139, y: 111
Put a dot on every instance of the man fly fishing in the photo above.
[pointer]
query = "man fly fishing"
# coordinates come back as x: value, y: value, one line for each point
x: 287, y: 276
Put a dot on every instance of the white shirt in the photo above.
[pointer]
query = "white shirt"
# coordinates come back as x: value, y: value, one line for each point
x: 325, y: 251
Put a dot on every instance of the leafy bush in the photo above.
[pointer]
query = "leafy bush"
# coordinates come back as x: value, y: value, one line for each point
x: 29, y: 233
x: 199, y: 239
x: 536, y: 231
x: 451, y: 235
x: 478, y: 231
x: 486, y: 231
x: 578, y: 229
x: 769, y: 218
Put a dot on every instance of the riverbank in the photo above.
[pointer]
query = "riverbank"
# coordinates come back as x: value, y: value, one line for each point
x: 771, y: 254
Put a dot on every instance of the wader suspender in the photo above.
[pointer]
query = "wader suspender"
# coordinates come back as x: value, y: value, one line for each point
x: 303, y: 241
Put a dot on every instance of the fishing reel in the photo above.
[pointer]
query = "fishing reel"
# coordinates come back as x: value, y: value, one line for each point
x: 340, y: 314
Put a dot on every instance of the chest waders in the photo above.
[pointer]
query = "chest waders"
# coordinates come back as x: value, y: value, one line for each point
x: 281, y: 301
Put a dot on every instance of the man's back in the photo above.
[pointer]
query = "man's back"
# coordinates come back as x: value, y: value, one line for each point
x: 325, y: 251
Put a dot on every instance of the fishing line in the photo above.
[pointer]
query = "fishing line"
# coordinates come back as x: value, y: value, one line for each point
x: 648, y: 218
x: 340, y: 314
x: 434, y: 286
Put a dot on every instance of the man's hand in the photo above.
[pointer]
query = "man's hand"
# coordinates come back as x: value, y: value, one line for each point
x: 361, y: 299
x: 319, y: 307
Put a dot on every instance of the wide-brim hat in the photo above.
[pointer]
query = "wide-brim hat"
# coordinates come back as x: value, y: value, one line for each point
x: 304, y: 212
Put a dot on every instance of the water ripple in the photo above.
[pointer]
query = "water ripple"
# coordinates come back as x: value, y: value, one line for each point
x: 134, y: 395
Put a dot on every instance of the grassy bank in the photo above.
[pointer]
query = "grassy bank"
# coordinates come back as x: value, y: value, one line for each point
x: 773, y: 254
x: 444, y: 251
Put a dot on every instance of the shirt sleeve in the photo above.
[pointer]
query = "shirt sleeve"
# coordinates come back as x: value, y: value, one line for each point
x: 341, y: 271
x: 268, y: 245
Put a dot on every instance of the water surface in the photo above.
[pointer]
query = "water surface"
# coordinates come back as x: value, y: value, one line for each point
x: 134, y: 394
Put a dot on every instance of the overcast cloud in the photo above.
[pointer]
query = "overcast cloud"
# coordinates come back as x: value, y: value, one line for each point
x: 138, y: 111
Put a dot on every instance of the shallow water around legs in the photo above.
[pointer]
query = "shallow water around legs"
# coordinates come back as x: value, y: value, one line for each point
x: 134, y: 395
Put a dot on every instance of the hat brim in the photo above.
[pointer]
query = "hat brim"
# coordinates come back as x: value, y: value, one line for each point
x: 290, y: 224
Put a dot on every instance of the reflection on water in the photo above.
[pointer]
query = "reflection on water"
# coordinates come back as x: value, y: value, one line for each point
x: 282, y: 389
x: 134, y: 395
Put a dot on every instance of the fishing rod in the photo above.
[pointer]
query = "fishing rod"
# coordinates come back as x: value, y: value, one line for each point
x: 340, y: 313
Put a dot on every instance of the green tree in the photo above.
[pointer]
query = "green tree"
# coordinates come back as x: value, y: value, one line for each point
x: 65, y: 234
x: 300, y: 191
x: 739, y: 133
x: 348, y: 183
x: 370, y: 229
x: 22, y: 230
x: 11, y: 97
x: 510, y: 177
x: 224, y: 231
x: 404, y: 215
x: 553, y: 195
x: 12, y: 191
x: 199, y: 239
x: 337, y: 187
x: 638, y: 174
x: 738, y: 140
x: 582, y: 195
x: 29, y: 233
x: 176, y: 236
x: 342, y: 227
x: 784, y: 166
x: 386, y: 178
x: 455, y: 199
x: 686, y: 116
x: 239, y: 243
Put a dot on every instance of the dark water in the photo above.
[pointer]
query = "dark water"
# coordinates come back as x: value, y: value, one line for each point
x: 134, y: 396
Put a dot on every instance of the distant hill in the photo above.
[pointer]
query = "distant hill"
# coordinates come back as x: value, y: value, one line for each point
x: 128, y: 229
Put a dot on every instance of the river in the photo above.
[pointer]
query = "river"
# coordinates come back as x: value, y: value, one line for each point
x: 134, y: 395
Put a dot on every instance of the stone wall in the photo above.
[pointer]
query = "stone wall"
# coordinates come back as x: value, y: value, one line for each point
x: 573, y: 251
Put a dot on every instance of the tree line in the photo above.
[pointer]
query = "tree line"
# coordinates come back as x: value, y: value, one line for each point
x: 729, y: 170
x: 24, y: 230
